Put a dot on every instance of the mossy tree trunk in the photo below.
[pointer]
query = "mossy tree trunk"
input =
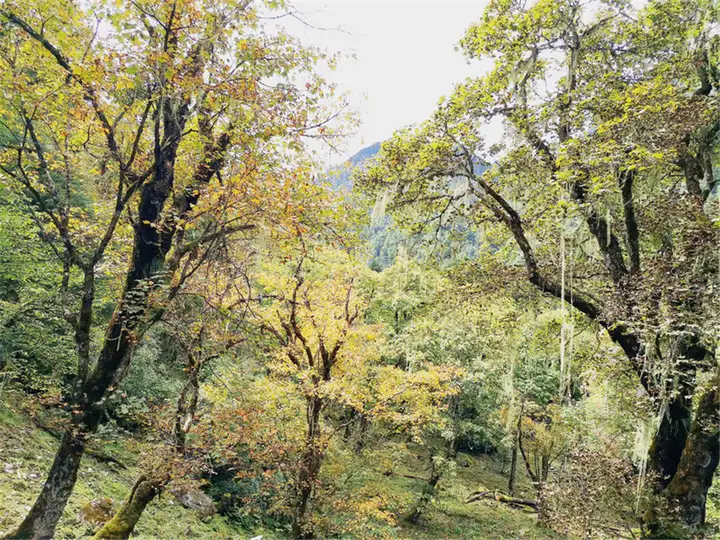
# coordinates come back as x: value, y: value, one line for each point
x: 147, y: 487
x: 123, y: 523
x: 686, y: 493
x: 40, y: 522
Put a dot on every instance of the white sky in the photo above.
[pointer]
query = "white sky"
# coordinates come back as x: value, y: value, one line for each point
x: 405, y: 56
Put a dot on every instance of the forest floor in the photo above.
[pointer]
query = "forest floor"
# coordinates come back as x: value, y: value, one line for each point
x: 26, y: 450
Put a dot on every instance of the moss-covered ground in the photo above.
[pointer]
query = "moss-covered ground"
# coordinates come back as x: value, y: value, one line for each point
x: 27, y: 450
x: 26, y: 453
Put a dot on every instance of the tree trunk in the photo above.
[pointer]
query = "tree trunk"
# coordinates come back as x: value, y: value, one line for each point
x: 123, y: 523
x: 148, y: 487
x: 436, y: 473
x: 362, y: 433
x: 426, y: 497
x: 670, y: 440
x: 299, y: 526
x: 187, y: 404
x: 513, y: 468
x: 672, y: 435
x: 124, y: 331
x: 514, y: 455
x: 309, y: 469
x: 45, y: 513
x: 687, y: 491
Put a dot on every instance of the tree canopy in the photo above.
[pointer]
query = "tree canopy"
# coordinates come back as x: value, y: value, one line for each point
x: 500, y: 322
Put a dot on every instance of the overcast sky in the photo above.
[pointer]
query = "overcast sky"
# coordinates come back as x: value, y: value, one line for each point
x: 405, y: 56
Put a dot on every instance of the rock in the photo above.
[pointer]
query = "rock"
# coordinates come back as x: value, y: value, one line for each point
x: 98, y: 511
x: 193, y: 498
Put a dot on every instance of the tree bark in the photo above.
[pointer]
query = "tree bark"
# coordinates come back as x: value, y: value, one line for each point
x: 187, y: 404
x: 670, y: 440
x: 309, y: 469
x: 669, y: 443
x: 44, y: 515
x: 513, y: 466
x: 687, y: 491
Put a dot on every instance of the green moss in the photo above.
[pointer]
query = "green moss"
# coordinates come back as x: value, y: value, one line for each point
x: 27, y: 453
x: 449, y: 516
x: 30, y: 450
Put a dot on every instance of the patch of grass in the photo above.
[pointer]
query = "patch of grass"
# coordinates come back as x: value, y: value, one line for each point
x: 449, y: 516
x: 27, y: 451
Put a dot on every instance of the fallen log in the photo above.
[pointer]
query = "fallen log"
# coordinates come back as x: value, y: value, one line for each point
x: 500, y: 497
x: 477, y: 496
x: 411, y: 476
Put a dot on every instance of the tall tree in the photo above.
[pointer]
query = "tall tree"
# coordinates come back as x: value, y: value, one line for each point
x: 316, y: 324
x: 162, y: 123
x: 195, y: 323
x: 611, y: 116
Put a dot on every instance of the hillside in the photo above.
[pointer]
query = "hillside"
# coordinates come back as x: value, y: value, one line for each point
x: 340, y: 176
x: 501, y: 321
x: 108, y: 473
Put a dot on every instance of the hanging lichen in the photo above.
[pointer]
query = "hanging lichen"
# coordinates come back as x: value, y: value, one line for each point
x: 644, y: 434
x: 380, y: 207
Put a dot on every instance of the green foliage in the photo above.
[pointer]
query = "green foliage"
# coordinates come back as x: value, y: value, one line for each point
x: 154, y: 380
x: 551, y: 297
x: 36, y: 346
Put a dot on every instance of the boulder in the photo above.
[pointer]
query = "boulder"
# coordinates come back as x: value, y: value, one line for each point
x: 193, y: 498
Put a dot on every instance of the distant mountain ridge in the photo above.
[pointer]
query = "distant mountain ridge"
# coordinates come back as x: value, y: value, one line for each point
x: 340, y: 177
x: 383, y: 238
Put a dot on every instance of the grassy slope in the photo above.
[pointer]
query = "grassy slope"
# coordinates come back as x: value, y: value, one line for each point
x: 451, y: 517
x: 25, y: 456
x: 26, y: 451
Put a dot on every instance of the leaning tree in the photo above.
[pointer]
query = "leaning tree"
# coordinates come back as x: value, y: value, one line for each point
x: 603, y: 183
